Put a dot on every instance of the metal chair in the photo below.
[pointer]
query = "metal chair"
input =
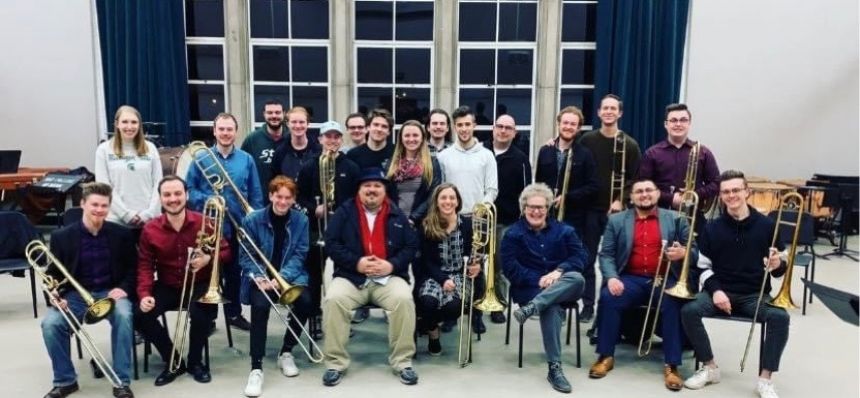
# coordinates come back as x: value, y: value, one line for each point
x: 572, y: 308
x: 806, y: 238
x: 15, y: 233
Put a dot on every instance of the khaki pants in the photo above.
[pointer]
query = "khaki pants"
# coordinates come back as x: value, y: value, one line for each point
x: 342, y: 297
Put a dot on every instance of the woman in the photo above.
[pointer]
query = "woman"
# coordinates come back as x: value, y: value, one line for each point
x: 445, y: 241
x: 131, y: 166
x: 413, y: 172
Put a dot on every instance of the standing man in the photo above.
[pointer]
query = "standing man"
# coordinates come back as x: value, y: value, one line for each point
x: 439, y: 130
x: 736, y: 257
x: 242, y: 170
x: 472, y: 168
x: 371, y: 244
x: 514, y: 165
x: 376, y: 152
x: 100, y: 255
x: 163, y: 251
x: 291, y: 155
x: 356, y: 125
x: 261, y: 143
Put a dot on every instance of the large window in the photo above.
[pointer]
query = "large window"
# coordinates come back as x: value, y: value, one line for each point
x: 394, y: 57
x: 207, y: 88
x: 577, y: 58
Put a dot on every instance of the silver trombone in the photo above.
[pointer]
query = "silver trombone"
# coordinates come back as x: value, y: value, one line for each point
x: 41, y: 259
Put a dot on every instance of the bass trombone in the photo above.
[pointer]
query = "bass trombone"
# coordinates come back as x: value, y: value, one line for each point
x: 616, y: 178
x: 326, y: 175
x: 565, y: 185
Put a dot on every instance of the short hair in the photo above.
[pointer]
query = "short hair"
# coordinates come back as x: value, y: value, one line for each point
x: 639, y: 180
x: 570, y: 109
x: 225, y: 115
x: 383, y: 113
x: 677, y: 107
x: 299, y: 109
x: 96, y: 188
x: 169, y: 178
x: 535, y: 189
x: 439, y: 111
x: 462, y: 111
x: 615, y: 97
x: 282, y: 181
x: 353, y: 116
x: 731, y: 175
x: 273, y: 102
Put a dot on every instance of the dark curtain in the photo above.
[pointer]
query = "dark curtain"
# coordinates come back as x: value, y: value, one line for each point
x: 640, y: 54
x: 143, y: 62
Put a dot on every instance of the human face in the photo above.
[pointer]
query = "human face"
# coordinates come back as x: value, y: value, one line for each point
x: 95, y: 208
x: 274, y: 115
x: 298, y: 122
x: 536, y: 211
x: 225, y: 132
x: 644, y: 195
x: 447, y: 202
x: 609, y: 112
x: 465, y: 127
x: 677, y: 125
x: 371, y: 194
x: 282, y: 200
x: 173, y: 197
x: 379, y: 130
x: 412, y: 139
x: 734, y: 194
x: 331, y: 141
x: 568, y: 126
x: 505, y: 130
x: 357, y: 130
x: 438, y: 126
x: 128, y: 125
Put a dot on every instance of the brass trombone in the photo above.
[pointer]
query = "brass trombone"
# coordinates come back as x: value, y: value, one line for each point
x: 327, y: 174
x: 483, y: 246
x: 565, y: 185
x: 213, y: 219
x: 792, y: 201
x: 41, y: 259
x: 616, y: 179
x: 215, y: 173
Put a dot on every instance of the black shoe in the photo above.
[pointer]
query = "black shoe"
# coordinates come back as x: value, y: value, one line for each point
x: 592, y: 335
x: 587, y: 314
x: 360, y: 315
x: 332, y: 377
x: 97, y: 373
x: 524, y: 312
x: 62, y: 392
x: 123, y: 392
x: 239, y: 322
x: 556, y: 378
x: 408, y: 376
x: 200, y: 373
x: 478, y: 323
x: 434, y: 347
x: 497, y: 317
x: 448, y: 325
x: 166, y: 376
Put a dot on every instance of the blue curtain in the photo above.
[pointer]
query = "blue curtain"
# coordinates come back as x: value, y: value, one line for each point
x: 640, y: 54
x: 143, y: 62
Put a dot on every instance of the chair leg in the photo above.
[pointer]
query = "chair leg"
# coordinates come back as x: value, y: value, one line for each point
x: 569, y: 319
x: 805, y: 288
x: 578, y: 343
x: 33, y: 292
x: 147, y: 349
x: 206, y: 353
x: 812, y: 272
x: 762, y: 333
x: 508, y: 324
x: 134, y: 358
x: 80, y: 353
x: 520, y: 357
x: 227, y: 325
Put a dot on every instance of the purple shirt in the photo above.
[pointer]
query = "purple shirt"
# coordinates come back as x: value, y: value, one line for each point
x: 93, y: 271
x: 666, y: 165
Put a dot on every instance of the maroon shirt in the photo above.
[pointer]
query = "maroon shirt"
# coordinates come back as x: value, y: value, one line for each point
x: 164, y: 251
x: 647, y: 242
x: 666, y: 165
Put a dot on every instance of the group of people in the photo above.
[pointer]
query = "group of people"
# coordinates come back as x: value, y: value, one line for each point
x: 396, y: 221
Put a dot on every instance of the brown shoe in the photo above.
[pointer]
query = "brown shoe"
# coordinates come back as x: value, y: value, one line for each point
x: 672, y: 378
x: 601, y: 367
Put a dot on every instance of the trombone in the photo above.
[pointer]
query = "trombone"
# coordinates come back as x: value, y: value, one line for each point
x: 616, y: 179
x: 483, y: 246
x: 792, y: 201
x: 41, y: 259
x: 327, y: 174
x: 565, y: 185
x: 215, y: 173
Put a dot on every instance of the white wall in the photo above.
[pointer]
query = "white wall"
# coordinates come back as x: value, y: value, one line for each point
x: 48, y: 101
x: 773, y: 85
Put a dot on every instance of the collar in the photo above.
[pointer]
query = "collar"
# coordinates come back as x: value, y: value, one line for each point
x: 665, y: 144
x: 190, y: 217
x: 650, y: 215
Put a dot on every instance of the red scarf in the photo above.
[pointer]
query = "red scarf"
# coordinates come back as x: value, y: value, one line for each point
x: 373, y: 243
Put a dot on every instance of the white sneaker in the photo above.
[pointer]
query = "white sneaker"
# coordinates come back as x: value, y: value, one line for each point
x: 255, y: 384
x: 704, y: 376
x: 765, y: 389
x: 288, y: 365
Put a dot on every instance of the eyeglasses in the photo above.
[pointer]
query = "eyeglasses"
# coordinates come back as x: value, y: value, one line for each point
x: 538, y: 208
x: 682, y: 120
x: 733, y: 191
x: 644, y: 191
x: 505, y: 127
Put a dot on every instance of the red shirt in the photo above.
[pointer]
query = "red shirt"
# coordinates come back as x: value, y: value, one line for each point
x: 647, y: 243
x: 164, y: 251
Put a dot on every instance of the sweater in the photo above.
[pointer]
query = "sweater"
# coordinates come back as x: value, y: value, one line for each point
x: 473, y: 171
x: 134, y: 180
x: 583, y: 181
x: 261, y: 146
x: 514, y: 168
x: 601, y: 149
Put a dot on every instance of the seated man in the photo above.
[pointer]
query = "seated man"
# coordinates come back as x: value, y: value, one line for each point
x: 543, y: 259
x: 736, y: 253
x: 371, y: 244
x: 629, y: 261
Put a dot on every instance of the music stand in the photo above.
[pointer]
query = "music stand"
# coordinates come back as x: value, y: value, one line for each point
x: 848, y: 201
x: 843, y: 304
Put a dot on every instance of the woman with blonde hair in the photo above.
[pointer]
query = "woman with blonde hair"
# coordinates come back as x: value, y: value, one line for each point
x: 413, y: 172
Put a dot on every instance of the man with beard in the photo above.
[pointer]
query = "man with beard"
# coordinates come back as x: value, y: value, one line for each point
x: 261, y: 143
x: 163, y: 251
x: 439, y: 131
x: 291, y: 155
x: 377, y: 151
x: 630, y: 261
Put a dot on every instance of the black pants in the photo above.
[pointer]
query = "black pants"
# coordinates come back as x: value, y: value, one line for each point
x: 314, y: 265
x: 589, y: 229
x: 230, y: 276
x: 167, y: 299
x: 260, y: 308
x: 431, y: 313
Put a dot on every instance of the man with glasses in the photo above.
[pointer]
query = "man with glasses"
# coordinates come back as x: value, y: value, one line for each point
x: 356, y: 127
x: 630, y: 261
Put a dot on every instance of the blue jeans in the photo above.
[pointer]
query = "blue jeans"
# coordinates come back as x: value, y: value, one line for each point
x: 548, y: 304
x: 56, y: 333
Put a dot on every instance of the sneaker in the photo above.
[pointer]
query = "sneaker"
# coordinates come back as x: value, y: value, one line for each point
x: 408, y: 376
x: 122, y: 392
x: 765, y: 389
x: 332, y: 377
x: 288, y: 365
x: 524, y: 312
x: 434, y: 347
x: 239, y: 322
x: 587, y: 314
x: 360, y: 315
x: 556, y: 378
x: 255, y: 383
x: 704, y: 376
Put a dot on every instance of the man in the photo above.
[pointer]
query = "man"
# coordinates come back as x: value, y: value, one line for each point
x: 291, y: 155
x: 163, y: 251
x: 356, y: 125
x: 543, y: 259
x: 512, y: 163
x: 472, y: 168
x: 242, y: 170
x: 100, y: 256
x: 666, y: 163
x: 582, y: 187
x: 371, y: 244
x: 281, y: 233
x: 630, y: 264
x: 601, y: 143
x: 261, y: 143
x: 376, y: 152
x: 736, y: 253
x: 439, y: 130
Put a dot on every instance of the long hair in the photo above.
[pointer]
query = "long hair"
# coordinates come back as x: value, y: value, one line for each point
x: 400, y: 152
x: 139, y: 141
x: 435, y: 226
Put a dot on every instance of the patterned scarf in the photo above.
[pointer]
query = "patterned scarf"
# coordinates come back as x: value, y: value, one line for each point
x: 408, y: 169
x: 373, y: 242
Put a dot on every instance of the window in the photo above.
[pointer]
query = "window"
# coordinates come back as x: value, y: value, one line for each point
x: 577, y: 58
x: 204, y: 42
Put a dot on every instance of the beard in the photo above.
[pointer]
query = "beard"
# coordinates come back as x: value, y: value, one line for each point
x: 274, y: 126
x: 175, y: 212
x: 646, y: 207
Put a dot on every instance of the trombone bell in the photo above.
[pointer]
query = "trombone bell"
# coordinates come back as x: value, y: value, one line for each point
x: 99, y: 310
x: 213, y: 296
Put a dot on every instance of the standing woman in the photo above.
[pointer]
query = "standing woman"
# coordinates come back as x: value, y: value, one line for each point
x: 446, y: 239
x: 413, y: 172
x: 131, y: 166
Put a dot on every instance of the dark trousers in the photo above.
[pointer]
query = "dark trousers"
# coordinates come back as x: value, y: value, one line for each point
x: 260, y: 308
x: 167, y: 299
x: 315, y: 265
x: 590, y: 233
x: 776, y: 319
x: 230, y: 277
x: 431, y: 313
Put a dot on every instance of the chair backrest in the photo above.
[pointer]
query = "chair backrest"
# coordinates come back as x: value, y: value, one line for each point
x: 15, y: 233
x: 806, y: 236
x: 72, y: 215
